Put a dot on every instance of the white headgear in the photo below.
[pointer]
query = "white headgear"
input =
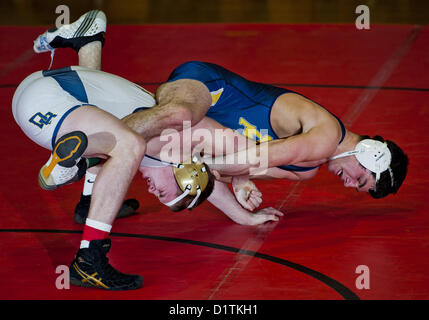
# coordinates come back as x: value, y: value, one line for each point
x: 373, y: 155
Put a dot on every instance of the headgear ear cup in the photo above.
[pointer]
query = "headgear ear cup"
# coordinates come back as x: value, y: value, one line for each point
x: 193, y: 174
x: 373, y: 155
x: 192, y: 177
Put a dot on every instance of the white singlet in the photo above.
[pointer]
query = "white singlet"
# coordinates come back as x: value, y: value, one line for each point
x: 44, y: 99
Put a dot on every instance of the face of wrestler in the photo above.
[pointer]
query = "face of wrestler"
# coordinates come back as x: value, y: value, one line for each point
x: 352, y: 173
x: 161, y: 182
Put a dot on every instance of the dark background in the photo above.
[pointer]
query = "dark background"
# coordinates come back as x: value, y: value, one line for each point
x: 41, y: 12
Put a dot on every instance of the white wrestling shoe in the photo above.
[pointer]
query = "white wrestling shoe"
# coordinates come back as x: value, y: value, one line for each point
x: 65, y: 164
x: 89, y: 27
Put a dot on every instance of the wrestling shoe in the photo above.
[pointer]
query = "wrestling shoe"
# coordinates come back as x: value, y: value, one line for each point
x: 65, y: 164
x: 91, y: 268
x: 89, y: 27
x: 128, y: 208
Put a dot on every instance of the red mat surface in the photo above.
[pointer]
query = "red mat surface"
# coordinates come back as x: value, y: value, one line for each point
x: 375, y: 80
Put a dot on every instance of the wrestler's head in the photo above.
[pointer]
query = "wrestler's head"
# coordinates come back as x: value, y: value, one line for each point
x: 179, y: 186
x: 375, y: 166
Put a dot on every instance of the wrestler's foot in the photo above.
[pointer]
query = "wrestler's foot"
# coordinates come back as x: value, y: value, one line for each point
x: 89, y: 27
x: 91, y: 268
x: 65, y: 164
x: 128, y: 208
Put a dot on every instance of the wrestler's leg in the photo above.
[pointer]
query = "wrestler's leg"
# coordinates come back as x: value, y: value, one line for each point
x: 129, y: 206
x: 85, y: 36
x: 107, y: 136
x: 90, y: 55
x: 186, y: 93
x: 177, y: 101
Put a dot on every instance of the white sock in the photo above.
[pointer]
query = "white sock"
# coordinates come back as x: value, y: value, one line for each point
x: 89, y: 183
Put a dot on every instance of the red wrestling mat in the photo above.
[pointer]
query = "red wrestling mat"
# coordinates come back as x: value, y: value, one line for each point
x: 376, y: 81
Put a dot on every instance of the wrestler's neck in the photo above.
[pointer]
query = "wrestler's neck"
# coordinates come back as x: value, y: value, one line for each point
x: 349, y: 143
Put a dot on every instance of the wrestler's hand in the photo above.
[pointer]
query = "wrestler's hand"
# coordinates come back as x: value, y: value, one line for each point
x: 246, y: 193
x: 264, y: 215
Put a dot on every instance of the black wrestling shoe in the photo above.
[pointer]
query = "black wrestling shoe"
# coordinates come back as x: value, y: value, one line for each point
x: 91, y: 268
x: 129, y: 207
x: 65, y: 164
x: 89, y: 27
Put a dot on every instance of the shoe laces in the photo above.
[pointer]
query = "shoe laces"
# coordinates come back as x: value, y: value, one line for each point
x: 52, y: 58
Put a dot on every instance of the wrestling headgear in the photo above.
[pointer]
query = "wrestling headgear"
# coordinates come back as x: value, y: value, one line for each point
x: 373, y: 155
x: 191, y: 177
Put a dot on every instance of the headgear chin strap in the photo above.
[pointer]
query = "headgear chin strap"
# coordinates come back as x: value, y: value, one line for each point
x: 191, y: 177
x: 373, y: 155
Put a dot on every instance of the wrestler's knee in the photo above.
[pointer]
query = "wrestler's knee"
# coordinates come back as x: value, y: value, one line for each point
x: 180, y: 113
x: 130, y: 148
x: 185, y: 100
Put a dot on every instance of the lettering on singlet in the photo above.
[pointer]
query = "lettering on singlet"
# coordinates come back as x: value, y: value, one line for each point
x: 215, y: 96
x: 250, y: 131
x: 41, y: 120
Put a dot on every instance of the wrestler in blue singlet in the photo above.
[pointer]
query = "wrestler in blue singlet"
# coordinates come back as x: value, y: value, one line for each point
x: 238, y: 103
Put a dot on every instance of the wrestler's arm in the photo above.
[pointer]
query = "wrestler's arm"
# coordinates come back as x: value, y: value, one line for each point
x: 152, y: 121
x: 224, y: 200
x: 235, y: 141
x: 277, y: 173
x: 316, y: 142
x: 316, y: 145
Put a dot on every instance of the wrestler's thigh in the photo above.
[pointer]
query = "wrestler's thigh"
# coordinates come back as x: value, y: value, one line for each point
x: 104, y: 131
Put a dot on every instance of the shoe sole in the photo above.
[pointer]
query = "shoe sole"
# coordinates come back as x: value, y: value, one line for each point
x: 79, y: 283
x: 67, y: 149
x: 128, y: 208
